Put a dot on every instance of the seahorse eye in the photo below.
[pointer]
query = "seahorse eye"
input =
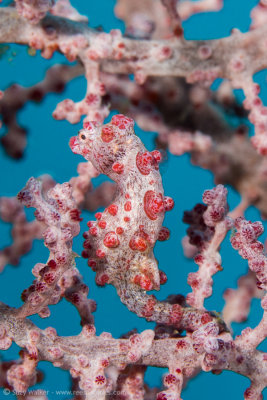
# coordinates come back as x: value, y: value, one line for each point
x: 82, y: 136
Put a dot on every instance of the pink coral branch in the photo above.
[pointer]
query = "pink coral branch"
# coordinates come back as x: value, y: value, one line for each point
x: 74, y: 353
x: 33, y: 10
x: 205, y: 60
x: 209, y: 259
x: 176, y: 23
x: 63, y: 8
x: 149, y: 19
x: 91, y: 105
x: 238, y: 301
x: 245, y: 241
x: 251, y: 338
x: 23, y: 232
x: 188, y: 8
x: 259, y: 14
x: 59, y: 213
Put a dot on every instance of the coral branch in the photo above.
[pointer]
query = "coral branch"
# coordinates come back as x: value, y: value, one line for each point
x: 23, y: 232
x: 33, y: 10
x: 187, y: 8
x: 86, y: 356
x: 245, y: 241
x: 202, y: 61
x: 176, y: 24
x: 237, y: 302
x: 217, y: 63
x: 59, y: 213
x: 209, y: 259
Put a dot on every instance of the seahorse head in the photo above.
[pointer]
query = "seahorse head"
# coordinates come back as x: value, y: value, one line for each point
x: 105, y: 145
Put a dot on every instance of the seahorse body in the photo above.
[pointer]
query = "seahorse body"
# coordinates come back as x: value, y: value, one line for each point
x: 119, y: 244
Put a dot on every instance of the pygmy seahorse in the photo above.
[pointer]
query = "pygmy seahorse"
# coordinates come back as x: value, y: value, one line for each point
x: 119, y: 244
